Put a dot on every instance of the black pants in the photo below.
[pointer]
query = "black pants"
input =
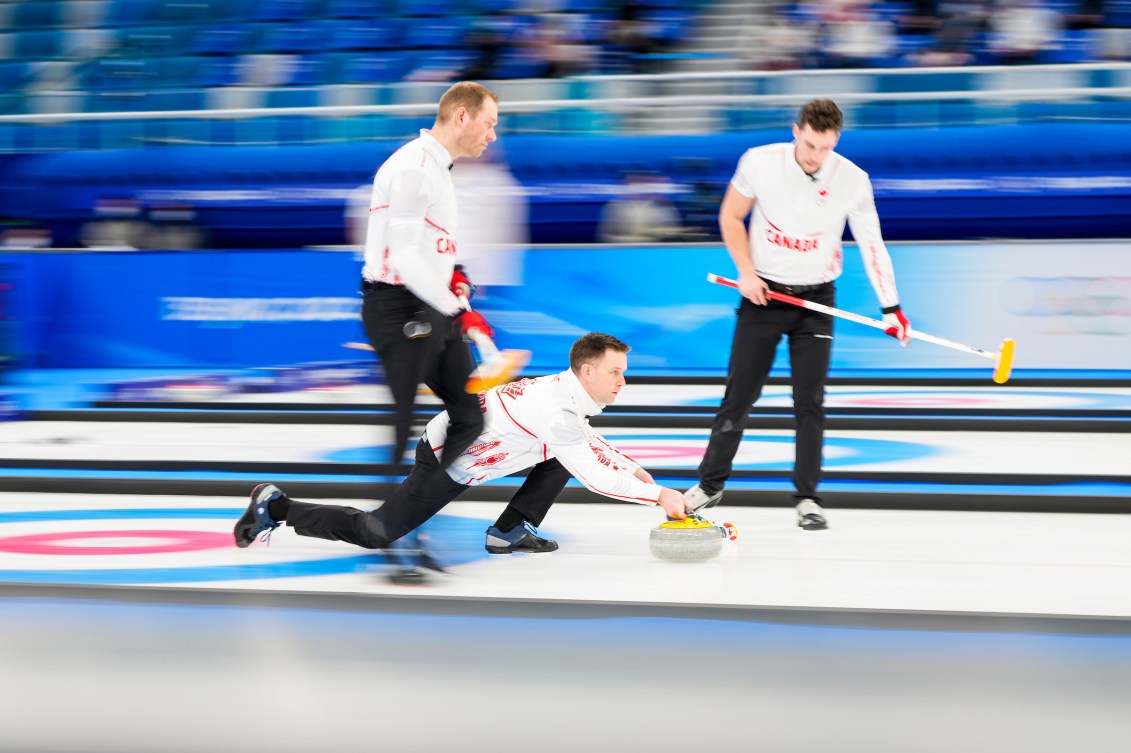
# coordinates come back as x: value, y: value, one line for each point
x: 426, y: 490
x: 756, y: 336
x: 441, y: 360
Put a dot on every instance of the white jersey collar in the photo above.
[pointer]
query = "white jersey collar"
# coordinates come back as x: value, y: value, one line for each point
x: 435, y: 148
x: 587, y: 405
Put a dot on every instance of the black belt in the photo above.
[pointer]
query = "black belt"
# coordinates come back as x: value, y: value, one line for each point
x: 779, y: 287
x: 367, y: 285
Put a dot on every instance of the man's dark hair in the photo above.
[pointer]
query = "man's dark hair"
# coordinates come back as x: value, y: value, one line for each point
x: 591, y: 348
x: 821, y: 115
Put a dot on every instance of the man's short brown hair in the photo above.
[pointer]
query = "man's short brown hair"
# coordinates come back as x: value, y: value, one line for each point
x: 466, y: 94
x: 591, y: 348
x: 821, y: 115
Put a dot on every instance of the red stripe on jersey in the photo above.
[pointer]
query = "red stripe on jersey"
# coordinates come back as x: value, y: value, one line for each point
x: 378, y: 208
x: 605, y: 442
x: 433, y: 224
x: 512, y: 418
x: 875, y: 259
x: 388, y: 275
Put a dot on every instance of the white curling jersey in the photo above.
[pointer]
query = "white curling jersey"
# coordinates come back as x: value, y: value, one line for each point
x: 411, y: 237
x: 532, y: 420
x: 797, y: 222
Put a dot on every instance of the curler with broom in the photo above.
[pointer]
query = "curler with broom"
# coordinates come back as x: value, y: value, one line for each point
x: 495, y: 366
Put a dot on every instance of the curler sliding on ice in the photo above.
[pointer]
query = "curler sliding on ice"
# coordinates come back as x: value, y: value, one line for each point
x: 1003, y: 358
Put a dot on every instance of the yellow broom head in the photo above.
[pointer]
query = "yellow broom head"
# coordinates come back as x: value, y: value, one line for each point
x: 1004, y: 364
x: 499, y: 370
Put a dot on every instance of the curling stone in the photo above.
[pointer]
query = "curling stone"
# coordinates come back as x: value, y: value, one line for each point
x: 690, y: 540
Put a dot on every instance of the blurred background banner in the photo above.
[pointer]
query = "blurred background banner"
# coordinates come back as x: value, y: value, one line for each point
x: 1068, y: 306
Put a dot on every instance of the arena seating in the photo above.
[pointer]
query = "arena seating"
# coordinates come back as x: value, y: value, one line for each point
x: 177, y: 51
x: 931, y: 184
x: 151, y: 46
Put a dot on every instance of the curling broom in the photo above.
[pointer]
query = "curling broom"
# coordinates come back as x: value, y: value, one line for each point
x: 1003, y: 358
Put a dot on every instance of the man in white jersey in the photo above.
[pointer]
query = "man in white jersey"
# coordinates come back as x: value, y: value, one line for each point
x: 541, y: 424
x: 798, y: 196
x: 410, y: 282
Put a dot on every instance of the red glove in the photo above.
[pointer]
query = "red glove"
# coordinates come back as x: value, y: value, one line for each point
x: 900, y: 328
x: 460, y: 284
x: 469, y: 320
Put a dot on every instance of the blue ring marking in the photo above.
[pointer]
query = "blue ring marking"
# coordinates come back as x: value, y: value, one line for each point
x: 251, y: 478
x: 461, y: 539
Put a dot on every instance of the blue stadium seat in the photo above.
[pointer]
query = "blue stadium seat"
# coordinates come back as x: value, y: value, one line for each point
x: 360, y: 9
x: 431, y: 8
x: 283, y: 10
x: 157, y: 40
x: 40, y: 44
x: 376, y: 34
x: 1119, y: 13
x: 298, y: 36
x: 435, y: 33
x: 172, y: 12
x: 13, y: 75
x: 495, y: 6
x: 1071, y: 47
x: 37, y: 15
x: 892, y: 11
x: 222, y: 40
x: 85, y: 14
x: 115, y: 74
x: 372, y: 68
x: 307, y: 70
x: 131, y: 12
x: 518, y: 63
x: 175, y: 72
x: 442, y: 65
x: 669, y: 25
x: 218, y: 71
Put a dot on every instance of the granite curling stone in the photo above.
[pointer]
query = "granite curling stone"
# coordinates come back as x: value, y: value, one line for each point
x: 690, y: 540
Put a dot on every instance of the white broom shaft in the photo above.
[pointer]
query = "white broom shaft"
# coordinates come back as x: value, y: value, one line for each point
x: 858, y: 318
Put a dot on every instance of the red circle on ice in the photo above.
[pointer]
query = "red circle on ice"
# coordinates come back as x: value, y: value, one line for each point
x: 164, y: 542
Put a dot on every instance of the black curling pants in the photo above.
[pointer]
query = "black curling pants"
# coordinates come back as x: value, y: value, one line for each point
x: 426, y: 490
x: 757, y: 333
x: 441, y: 360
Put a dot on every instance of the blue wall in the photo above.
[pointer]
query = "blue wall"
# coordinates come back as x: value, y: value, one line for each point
x: 1067, y: 305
